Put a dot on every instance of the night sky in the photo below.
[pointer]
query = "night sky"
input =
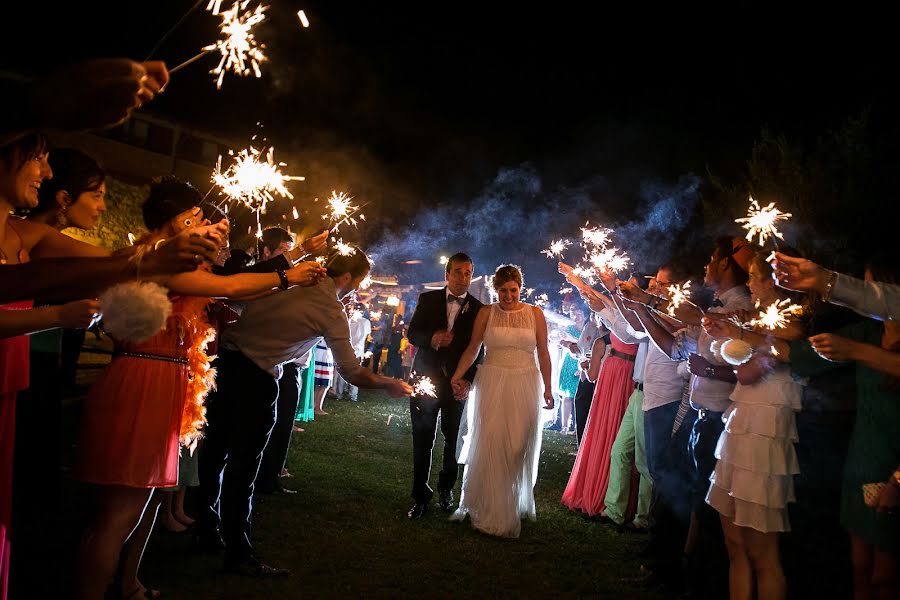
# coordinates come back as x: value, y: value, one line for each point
x: 420, y: 105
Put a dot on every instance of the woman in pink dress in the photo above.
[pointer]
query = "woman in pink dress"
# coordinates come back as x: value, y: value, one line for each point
x: 590, y: 475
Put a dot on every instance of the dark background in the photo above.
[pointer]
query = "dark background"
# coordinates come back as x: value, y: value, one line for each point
x: 418, y: 106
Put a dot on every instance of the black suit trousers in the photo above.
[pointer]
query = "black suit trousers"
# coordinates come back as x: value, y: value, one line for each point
x: 240, y: 416
x: 276, y: 450
x: 424, y: 411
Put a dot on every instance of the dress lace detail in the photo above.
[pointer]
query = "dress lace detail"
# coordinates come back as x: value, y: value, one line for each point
x: 502, y: 441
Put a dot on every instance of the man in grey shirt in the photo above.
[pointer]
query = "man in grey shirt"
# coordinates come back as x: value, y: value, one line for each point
x: 272, y: 331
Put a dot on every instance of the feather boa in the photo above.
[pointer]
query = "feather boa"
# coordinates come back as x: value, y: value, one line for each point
x: 197, y: 333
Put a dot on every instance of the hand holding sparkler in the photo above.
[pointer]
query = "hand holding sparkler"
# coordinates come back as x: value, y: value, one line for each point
x: 306, y: 274
x: 423, y: 386
x: 316, y: 243
x: 94, y: 94
x: 630, y: 291
x: 834, y: 347
x: 799, y: 274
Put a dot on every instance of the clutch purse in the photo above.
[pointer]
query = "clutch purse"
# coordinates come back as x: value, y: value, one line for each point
x: 871, y: 491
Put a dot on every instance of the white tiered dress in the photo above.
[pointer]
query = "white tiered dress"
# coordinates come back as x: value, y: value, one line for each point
x: 754, y: 478
x: 503, y: 440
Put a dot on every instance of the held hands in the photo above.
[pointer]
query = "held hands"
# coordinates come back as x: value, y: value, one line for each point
x: 834, y: 347
x: 548, y: 400
x: 441, y: 339
x: 799, y: 274
x: 79, y: 314
x: 460, y: 387
x: 306, y: 274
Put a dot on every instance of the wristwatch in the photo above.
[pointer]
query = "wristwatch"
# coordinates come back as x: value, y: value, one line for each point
x: 285, y: 284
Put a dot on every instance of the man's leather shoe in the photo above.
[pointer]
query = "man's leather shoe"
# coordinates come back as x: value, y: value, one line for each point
x: 445, y: 501
x: 253, y: 567
x: 276, y: 489
x: 418, y: 511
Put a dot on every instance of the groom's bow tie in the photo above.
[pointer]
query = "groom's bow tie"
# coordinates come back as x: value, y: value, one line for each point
x: 457, y: 299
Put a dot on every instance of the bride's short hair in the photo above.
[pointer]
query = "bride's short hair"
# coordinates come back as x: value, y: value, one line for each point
x: 506, y: 273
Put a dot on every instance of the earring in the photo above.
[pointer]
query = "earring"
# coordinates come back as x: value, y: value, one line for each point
x: 61, y: 220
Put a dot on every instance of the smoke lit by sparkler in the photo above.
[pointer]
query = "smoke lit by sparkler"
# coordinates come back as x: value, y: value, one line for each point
x: 761, y: 221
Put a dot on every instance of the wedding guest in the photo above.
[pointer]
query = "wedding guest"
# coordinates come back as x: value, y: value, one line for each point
x: 241, y: 412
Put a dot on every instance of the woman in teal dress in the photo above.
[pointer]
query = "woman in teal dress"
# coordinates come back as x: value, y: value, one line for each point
x: 874, y: 450
x: 568, y: 371
x: 305, y: 412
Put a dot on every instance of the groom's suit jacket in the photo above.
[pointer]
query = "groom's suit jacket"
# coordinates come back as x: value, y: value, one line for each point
x: 430, y: 316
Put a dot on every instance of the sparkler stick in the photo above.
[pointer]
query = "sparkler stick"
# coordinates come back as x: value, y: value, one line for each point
x: 189, y: 61
x: 172, y: 30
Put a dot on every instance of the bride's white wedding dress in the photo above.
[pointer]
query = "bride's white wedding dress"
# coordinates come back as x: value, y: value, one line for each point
x: 501, y: 447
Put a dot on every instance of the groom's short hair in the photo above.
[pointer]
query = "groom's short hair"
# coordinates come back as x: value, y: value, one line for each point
x: 459, y: 257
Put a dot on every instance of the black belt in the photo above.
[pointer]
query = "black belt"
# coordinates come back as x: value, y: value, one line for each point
x: 639, y: 385
x: 704, y: 414
x: 175, y: 359
x: 622, y: 355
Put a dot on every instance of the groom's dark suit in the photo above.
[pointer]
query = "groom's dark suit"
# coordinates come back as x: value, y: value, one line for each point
x: 429, y: 317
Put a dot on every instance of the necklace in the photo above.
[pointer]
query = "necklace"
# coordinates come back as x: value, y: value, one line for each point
x: 4, y: 258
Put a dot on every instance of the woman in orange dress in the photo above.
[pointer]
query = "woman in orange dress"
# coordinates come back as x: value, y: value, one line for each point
x: 150, y: 399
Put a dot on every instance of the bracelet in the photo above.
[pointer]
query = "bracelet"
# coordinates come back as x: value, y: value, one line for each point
x: 832, y: 279
x: 285, y: 284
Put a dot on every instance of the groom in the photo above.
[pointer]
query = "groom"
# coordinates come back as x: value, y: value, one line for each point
x: 441, y: 328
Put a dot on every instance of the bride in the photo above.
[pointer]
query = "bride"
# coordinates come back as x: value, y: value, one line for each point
x: 503, y: 442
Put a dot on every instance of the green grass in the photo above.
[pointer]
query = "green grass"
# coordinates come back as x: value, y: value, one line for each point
x: 346, y: 533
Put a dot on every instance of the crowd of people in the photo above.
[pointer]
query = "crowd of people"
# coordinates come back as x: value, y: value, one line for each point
x: 693, y: 423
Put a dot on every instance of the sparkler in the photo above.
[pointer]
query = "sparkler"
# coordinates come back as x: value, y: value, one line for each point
x: 252, y: 180
x: 342, y: 212
x: 302, y: 16
x: 444, y: 260
x: 565, y: 290
x: 775, y: 315
x: 761, y: 221
x: 542, y: 300
x: 344, y: 249
x: 596, y: 236
x: 295, y: 213
x: 557, y: 248
x: 238, y: 46
x: 424, y: 387
x: 678, y: 295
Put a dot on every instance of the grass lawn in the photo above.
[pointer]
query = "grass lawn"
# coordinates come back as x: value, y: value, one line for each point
x: 346, y: 533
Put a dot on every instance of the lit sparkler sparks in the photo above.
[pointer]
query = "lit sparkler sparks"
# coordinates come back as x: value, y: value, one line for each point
x: 678, y: 295
x: 557, y: 248
x: 252, y: 180
x: 424, y: 387
x: 214, y: 6
x: 610, y: 258
x: 238, y: 46
x: 342, y: 212
x: 302, y: 16
x: 343, y: 249
x: 541, y: 300
x: 761, y: 221
x: 444, y: 260
x: 565, y: 290
x: 596, y: 236
x: 775, y: 315
x: 295, y: 213
x: 529, y: 292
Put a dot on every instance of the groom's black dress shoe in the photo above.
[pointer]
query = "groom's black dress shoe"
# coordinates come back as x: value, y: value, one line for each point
x: 418, y: 511
x: 445, y: 501
x: 207, y: 540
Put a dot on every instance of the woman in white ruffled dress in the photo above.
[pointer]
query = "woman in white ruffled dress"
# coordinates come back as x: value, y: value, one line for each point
x: 501, y: 448
x: 754, y: 477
